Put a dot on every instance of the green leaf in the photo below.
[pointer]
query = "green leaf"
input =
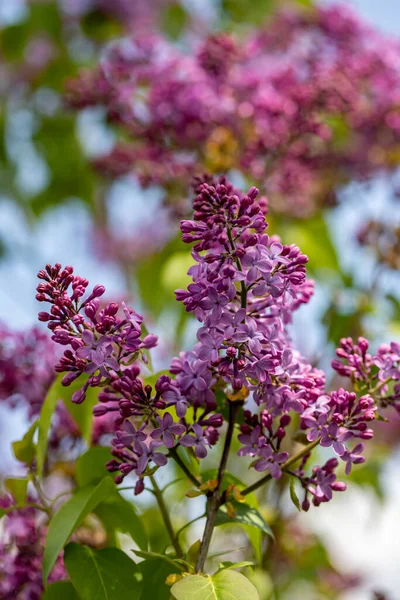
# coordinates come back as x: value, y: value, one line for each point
x: 322, y: 254
x: 254, y: 534
x: 293, y: 495
x: 60, y: 590
x: 69, y: 517
x: 117, y: 514
x: 106, y: 574
x: 46, y: 413
x: 226, y: 564
x: 224, y: 585
x: 250, y: 520
x: 158, y: 556
x: 17, y: 486
x: 247, y: 11
x: 193, y: 552
x: 91, y: 466
x: 246, y: 515
x: 82, y: 414
x: 174, y: 19
x: 155, y: 571
x: 25, y: 449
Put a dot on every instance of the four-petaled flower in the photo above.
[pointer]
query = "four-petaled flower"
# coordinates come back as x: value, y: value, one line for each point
x: 98, y: 352
x: 353, y: 457
x: 173, y: 396
x: 199, y: 441
x: 131, y: 436
x: 167, y: 430
x: 147, y: 454
x: 270, y: 460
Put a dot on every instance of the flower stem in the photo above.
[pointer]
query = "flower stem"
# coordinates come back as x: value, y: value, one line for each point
x: 285, y: 467
x: 166, y: 518
x: 243, y: 289
x: 215, y: 500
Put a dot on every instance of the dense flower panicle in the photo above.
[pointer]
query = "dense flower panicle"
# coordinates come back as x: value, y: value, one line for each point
x: 22, y: 541
x: 102, y: 340
x: 26, y: 367
x: 308, y: 100
x: 245, y: 286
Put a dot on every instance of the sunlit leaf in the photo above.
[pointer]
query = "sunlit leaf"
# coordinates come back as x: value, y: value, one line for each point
x: 17, y: 486
x: 224, y: 585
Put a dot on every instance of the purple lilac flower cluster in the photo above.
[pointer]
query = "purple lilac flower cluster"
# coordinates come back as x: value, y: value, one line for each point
x: 101, y: 341
x: 103, y: 346
x: 378, y: 373
x: 245, y: 287
x: 307, y: 100
x: 22, y: 542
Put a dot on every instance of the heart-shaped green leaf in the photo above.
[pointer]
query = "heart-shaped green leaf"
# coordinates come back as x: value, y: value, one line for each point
x: 224, y: 585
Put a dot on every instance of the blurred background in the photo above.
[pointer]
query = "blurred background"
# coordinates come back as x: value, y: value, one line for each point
x: 76, y: 188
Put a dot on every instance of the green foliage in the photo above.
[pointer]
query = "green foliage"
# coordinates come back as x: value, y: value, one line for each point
x: 157, y: 279
x: 70, y: 176
x: 106, y: 574
x: 227, y: 564
x: 25, y: 449
x: 339, y: 324
x: 224, y: 585
x: 293, y: 495
x: 60, y: 590
x: 174, y: 20
x: 119, y: 515
x: 17, y: 486
x: 82, y: 414
x: 91, y: 466
x: 247, y: 11
x: 100, y: 26
x: 368, y: 475
x: 314, y: 239
x: 155, y: 572
x: 244, y: 515
x: 69, y: 517
x: 46, y: 413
